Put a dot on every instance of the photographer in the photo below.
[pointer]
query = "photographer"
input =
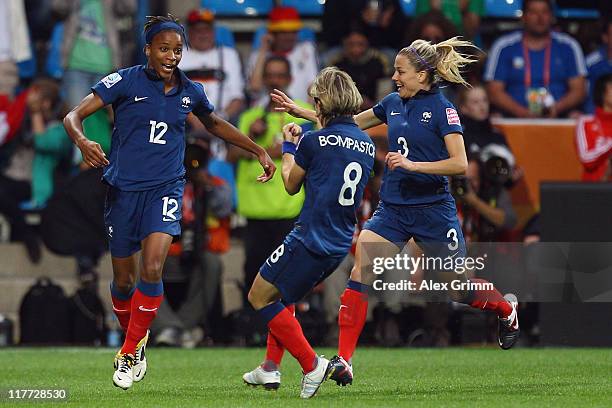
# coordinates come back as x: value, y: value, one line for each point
x: 485, y: 205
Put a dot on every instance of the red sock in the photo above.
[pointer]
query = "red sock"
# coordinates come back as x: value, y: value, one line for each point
x: 490, y: 299
x: 122, y: 309
x: 144, y: 310
x: 287, y: 330
x: 274, y: 348
x: 351, y: 319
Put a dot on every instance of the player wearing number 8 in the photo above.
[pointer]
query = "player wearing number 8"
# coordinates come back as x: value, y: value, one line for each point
x: 334, y: 164
x: 145, y: 175
x: 425, y: 146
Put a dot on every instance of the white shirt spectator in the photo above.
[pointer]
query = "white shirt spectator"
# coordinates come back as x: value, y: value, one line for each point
x: 219, y: 70
x: 304, y: 68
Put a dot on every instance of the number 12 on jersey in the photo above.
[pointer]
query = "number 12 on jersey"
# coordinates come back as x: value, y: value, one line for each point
x: 157, y: 138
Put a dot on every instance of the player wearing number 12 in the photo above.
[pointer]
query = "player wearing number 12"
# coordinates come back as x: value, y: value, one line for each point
x: 145, y: 175
x: 334, y: 165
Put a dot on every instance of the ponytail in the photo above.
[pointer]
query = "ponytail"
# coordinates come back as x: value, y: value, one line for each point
x: 442, y: 60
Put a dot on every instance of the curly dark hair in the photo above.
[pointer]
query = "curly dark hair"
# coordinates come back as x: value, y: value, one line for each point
x: 600, y: 88
x: 153, y: 20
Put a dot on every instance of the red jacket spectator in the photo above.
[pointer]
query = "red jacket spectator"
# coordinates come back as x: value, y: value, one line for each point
x: 594, y: 145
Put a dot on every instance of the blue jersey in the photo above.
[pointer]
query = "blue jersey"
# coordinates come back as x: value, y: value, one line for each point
x: 506, y: 63
x: 416, y: 129
x: 338, y: 160
x: 148, y: 142
x: 598, y: 65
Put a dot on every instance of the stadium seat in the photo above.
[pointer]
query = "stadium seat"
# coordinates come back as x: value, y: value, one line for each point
x: 305, y: 7
x: 53, y: 65
x: 224, y: 36
x: 408, y: 7
x: 238, y: 7
x: 305, y: 34
x: 503, y: 8
x: 577, y: 13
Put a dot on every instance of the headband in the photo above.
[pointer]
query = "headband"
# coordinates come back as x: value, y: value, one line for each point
x: 421, y: 60
x: 167, y: 25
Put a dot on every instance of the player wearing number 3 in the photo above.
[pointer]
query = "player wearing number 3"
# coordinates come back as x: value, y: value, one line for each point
x: 145, y: 175
x: 334, y: 165
x: 425, y: 145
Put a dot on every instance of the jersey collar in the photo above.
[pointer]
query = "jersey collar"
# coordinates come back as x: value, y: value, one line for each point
x: 432, y: 91
x: 344, y: 120
x: 154, y: 76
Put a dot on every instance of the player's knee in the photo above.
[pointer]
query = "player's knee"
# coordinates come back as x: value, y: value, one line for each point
x: 151, y: 270
x: 356, y: 274
x: 255, y: 300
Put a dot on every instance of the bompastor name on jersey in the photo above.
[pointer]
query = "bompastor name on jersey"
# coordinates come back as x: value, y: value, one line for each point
x: 348, y: 143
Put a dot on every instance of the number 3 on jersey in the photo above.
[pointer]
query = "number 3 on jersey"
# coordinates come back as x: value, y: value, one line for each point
x: 157, y: 138
x: 350, y: 184
x: 404, y: 146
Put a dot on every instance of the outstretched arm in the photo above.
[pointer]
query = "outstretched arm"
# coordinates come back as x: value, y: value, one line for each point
x: 293, y: 174
x: 226, y: 131
x: 92, y: 152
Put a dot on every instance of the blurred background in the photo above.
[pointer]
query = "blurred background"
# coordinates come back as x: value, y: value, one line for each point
x: 538, y: 131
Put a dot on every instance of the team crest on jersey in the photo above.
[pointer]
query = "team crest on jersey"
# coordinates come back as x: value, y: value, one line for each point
x: 426, y: 117
x: 185, y: 102
x: 111, y: 79
x: 452, y: 117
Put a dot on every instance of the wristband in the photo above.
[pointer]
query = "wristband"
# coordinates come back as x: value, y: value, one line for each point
x: 289, y: 147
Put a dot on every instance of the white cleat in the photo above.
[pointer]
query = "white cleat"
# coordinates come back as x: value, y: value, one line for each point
x: 140, y: 361
x: 313, y: 380
x: 123, y: 377
x: 269, y: 379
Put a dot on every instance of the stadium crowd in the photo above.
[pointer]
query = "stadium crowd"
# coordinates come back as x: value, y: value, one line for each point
x: 53, y: 52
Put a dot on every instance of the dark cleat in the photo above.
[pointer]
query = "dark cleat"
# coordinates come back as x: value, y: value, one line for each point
x: 341, y: 372
x: 508, y: 331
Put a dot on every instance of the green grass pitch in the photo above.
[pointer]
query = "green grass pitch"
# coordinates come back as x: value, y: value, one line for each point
x: 212, y: 377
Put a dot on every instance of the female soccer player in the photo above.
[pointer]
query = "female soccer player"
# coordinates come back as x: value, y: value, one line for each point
x: 145, y: 175
x: 334, y: 164
x: 425, y: 145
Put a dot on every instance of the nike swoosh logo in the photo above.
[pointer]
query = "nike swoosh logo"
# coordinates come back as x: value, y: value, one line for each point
x: 137, y: 99
x: 341, y: 306
x: 144, y: 309
x: 394, y: 113
x: 120, y: 310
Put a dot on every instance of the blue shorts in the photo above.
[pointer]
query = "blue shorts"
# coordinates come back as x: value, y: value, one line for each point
x: 295, y: 270
x: 435, y: 227
x: 130, y: 216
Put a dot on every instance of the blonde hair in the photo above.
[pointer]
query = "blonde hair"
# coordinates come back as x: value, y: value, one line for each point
x: 442, y: 60
x: 336, y: 94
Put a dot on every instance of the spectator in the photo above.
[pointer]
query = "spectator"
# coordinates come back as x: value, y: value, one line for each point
x: 473, y: 105
x: 51, y: 143
x: 383, y: 22
x: 485, y: 204
x: 463, y: 14
x: 282, y: 40
x: 14, y: 44
x: 217, y: 67
x: 91, y: 47
x: 594, y: 135
x: 364, y: 64
x: 433, y: 27
x: 536, y: 72
x: 15, y: 163
x: 90, y: 50
x: 599, y: 62
x: 269, y: 210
